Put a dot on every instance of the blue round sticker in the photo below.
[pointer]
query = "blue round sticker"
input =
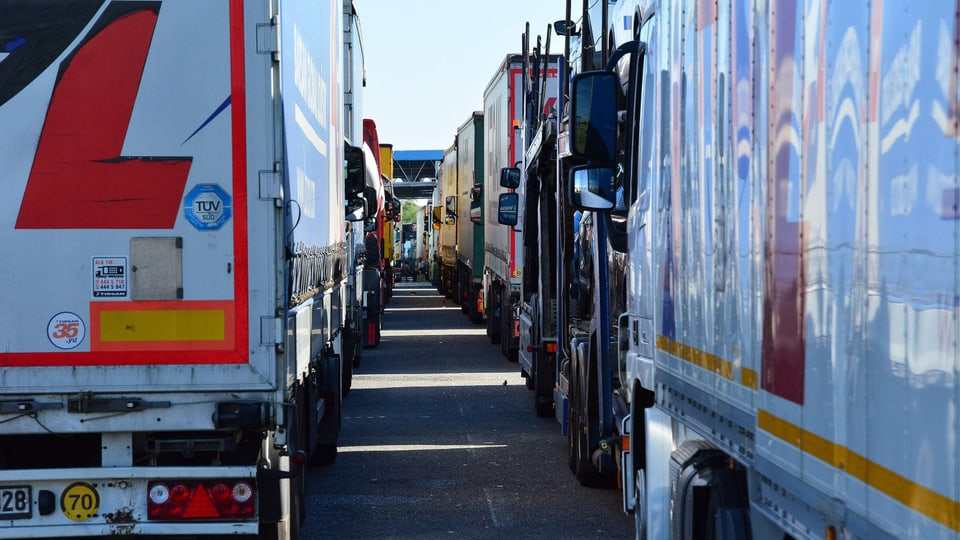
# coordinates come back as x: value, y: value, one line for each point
x: 207, y: 207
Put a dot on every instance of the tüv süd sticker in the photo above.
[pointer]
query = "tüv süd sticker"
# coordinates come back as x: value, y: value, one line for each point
x: 207, y: 207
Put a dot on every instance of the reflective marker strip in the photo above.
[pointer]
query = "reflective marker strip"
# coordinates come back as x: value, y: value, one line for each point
x: 709, y: 362
x: 203, y: 325
x: 918, y: 498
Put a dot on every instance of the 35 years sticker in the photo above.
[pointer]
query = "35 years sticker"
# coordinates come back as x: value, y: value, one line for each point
x: 80, y: 501
x: 66, y: 330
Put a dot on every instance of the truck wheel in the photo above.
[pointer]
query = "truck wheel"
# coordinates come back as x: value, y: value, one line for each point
x: 324, y: 454
x: 493, y: 320
x: 506, y: 323
x: 572, y: 423
x: 723, y: 512
x: 542, y: 392
x: 356, y: 354
x: 584, y: 400
x: 640, y: 513
x: 347, y: 376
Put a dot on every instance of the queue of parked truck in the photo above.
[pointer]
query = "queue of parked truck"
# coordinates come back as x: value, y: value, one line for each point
x: 720, y: 240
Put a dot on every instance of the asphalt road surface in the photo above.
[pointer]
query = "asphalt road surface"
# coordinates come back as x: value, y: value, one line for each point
x: 440, y: 440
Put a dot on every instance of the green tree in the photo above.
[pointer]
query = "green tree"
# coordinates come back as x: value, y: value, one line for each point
x: 409, y: 212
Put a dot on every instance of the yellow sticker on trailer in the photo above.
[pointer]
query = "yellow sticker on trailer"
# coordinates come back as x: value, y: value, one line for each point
x: 80, y: 501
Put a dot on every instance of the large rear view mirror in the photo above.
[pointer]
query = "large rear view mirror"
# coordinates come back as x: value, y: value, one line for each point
x: 510, y: 177
x: 592, y: 188
x: 507, y: 209
x: 593, y: 129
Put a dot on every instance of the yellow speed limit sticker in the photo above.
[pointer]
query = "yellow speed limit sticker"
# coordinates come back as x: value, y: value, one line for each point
x: 80, y: 501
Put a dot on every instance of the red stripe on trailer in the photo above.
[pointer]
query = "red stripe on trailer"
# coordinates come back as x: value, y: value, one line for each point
x: 79, y: 178
x: 784, y: 350
x: 239, y: 125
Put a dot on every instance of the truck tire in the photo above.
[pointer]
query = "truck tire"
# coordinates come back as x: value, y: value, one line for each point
x: 583, y: 411
x: 542, y: 385
x: 724, y: 513
x: 493, y: 319
x: 506, y: 324
x: 323, y: 455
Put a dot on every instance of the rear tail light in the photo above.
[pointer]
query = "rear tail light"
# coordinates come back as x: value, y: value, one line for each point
x: 329, y: 402
x: 371, y: 333
x: 201, y: 500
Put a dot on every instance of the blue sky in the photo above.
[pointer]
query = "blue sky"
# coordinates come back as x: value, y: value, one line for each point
x: 428, y: 61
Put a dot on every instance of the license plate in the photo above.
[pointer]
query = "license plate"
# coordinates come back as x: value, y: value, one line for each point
x: 15, y: 502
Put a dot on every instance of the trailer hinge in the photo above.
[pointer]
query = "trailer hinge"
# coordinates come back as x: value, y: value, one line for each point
x: 271, y: 331
x: 24, y: 406
x: 270, y: 184
x: 268, y: 38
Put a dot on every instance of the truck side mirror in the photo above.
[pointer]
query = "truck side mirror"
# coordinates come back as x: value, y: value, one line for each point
x: 354, y: 178
x: 451, y: 209
x: 510, y: 177
x: 354, y: 183
x: 507, y: 209
x: 593, y: 126
x: 592, y: 188
x: 354, y: 208
x: 476, y: 204
x: 565, y: 28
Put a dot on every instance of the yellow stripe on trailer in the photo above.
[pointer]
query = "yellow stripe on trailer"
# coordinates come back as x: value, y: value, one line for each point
x: 175, y: 325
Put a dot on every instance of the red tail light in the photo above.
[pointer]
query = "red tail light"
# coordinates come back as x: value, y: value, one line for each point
x: 329, y: 402
x: 201, y: 500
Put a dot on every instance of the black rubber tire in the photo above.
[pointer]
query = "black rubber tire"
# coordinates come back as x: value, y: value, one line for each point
x: 542, y: 391
x: 586, y: 405
x: 493, y: 320
x: 323, y: 455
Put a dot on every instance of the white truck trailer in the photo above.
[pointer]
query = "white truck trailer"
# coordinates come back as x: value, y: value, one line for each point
x: 174, y: 262
x: 785, y: 363
x: 503, y: 247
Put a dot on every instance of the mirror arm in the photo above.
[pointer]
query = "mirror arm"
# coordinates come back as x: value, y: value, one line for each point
x: 630, y: 47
